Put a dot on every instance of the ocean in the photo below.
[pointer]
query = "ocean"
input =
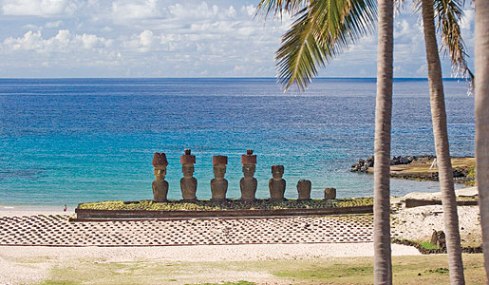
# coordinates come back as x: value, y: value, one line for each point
x: 66, y: 141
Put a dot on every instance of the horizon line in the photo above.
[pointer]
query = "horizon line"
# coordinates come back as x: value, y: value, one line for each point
x: 217, y: 77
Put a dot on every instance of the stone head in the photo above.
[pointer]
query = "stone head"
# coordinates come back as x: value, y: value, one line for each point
x: 187, y: 160
x: 219, y: 170
x: 188, y: 170
x: 219, y: 163
x: 160, y: 172
x: 249, y: 170
x: 304, y: 184
x: 277, y: 171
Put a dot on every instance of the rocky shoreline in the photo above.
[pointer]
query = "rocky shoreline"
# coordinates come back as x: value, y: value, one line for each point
x: 422, y: 167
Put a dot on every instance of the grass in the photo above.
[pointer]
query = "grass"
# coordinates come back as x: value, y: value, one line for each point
x: 428, y: 245
x: 407, y: 270
x: 206, y: 205
x: 421, y: 170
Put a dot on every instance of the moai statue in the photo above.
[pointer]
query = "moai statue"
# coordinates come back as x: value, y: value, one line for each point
x: 219, y: 185
x: 248, y: 183
x: 160, y: 186
x: 304, y: 189
x: 329, y: 193
x: 188, y: 184
x: 277, y: 183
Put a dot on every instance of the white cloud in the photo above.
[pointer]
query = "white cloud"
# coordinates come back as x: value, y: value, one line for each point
x: 202, y: 11
x: 193, y: 37
x: 55, y: 24
x: 123, y: 10
x: 30, y: 41
x: 41, y: 8
x: 88, y: 41
x: 62, y: 42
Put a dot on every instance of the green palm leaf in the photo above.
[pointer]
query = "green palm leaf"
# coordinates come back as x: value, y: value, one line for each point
x: 449, y: 14
x: 279, y: 6
x: 322, y: 30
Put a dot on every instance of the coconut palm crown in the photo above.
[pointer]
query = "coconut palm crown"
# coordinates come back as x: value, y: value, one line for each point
x: 324, y: 28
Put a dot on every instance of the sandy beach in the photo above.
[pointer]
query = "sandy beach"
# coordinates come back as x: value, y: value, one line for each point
x: 32, y: 264
x: 19, y: 265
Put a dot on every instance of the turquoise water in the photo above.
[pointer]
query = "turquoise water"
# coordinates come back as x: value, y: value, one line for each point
x: 65, y: 141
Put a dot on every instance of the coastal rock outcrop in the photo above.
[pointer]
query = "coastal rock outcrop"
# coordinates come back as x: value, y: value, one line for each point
x: 422, y: 167
x: 362, y: 165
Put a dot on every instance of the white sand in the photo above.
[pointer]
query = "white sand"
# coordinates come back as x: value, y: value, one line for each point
x: 464, y: 192
x: 31, y: 264
x: 20, y: 265
x: 418, y: 223
x: 12, y: 211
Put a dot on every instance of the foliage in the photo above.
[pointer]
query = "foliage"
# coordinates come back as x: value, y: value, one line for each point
x: 206, y: 205
x: 470, y: 176
x: 323, y: 29
x: 428, y: 245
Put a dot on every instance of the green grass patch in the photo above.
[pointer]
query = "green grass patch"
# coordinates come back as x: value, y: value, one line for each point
x: 428, y: 245
x: 206, y: 205
x: 407, y: 270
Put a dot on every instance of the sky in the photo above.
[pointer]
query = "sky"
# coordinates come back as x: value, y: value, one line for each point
x: 171, y: 38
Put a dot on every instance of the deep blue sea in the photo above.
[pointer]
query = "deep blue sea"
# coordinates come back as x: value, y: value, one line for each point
x: 65, y: 141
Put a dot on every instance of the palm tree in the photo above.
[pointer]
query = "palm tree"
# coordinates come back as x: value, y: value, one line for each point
x: 382, y: 145
x: 482, y: 118
x: 439, y: 120
x: 322, y: 29
x: 320, y: 32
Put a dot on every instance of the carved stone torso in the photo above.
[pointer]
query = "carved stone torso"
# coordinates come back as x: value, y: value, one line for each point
x: 277, y: 189
x: 248, y: 187
x: 188, y: 185
x: 219, y: 187
x: 160, y: 190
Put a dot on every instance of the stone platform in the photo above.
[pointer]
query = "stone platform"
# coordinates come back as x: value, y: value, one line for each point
x: 57, y: 230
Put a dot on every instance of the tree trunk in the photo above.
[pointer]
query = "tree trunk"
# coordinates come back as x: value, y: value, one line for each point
x: 482, y: 118
x: 383, y: 115
x: 439, y: 120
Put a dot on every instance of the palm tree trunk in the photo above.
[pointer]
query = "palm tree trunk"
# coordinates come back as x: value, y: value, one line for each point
x: 383, y: 115
x: 439, y: 120
x: 482, y: 118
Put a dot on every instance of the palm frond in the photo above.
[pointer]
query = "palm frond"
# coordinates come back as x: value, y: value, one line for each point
x: 322, y: 30
x: 449, y: 13
x: 278, y: 7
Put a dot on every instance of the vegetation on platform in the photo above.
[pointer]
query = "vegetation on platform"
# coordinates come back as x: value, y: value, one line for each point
x: 206, y: 205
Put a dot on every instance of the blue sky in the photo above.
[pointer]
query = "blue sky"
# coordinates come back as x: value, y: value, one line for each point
x: 192, y: 38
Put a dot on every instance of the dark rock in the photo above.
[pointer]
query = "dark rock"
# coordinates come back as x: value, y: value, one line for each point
x: 458, y: 173
x: 438, y: 239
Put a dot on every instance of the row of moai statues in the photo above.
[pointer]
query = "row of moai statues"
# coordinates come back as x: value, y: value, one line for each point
x: 219, y: 185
